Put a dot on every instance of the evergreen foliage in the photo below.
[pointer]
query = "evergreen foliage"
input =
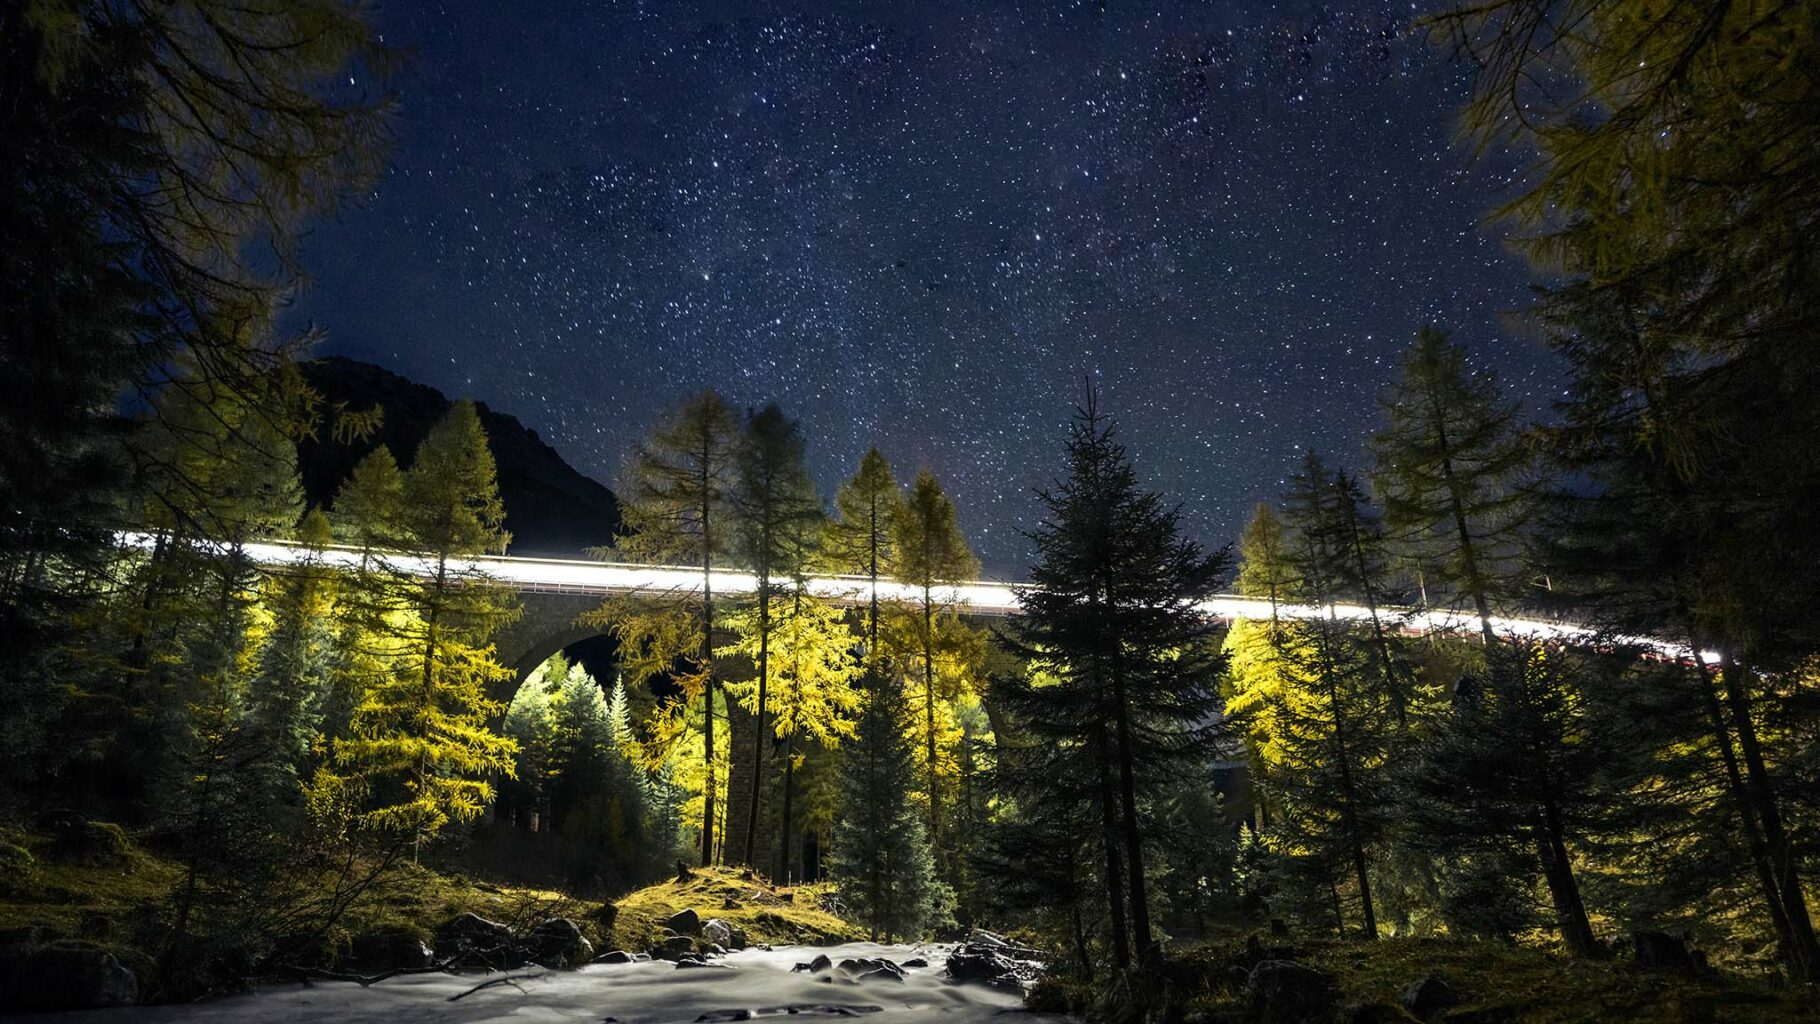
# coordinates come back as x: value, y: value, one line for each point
x: 1111, y: 611
x: 882, y: 856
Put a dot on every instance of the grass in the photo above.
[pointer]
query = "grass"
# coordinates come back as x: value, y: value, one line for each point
x: 768, y: 914
x: 1498, y: 983
x: 117, y: 896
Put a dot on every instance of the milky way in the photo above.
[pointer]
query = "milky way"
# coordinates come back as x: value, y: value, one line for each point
x: 925, y: 226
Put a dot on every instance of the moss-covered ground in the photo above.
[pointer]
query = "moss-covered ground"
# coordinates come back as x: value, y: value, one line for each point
x: 1495, y: 983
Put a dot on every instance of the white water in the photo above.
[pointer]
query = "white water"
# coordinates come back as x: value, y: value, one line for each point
x: 759, y: 981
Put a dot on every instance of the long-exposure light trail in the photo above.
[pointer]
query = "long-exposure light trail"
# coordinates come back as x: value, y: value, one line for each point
x: 979, y: 597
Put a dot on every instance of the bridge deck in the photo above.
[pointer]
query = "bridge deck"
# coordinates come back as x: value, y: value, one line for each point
x: 981, y: 597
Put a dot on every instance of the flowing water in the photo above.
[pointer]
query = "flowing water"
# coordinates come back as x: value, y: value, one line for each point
x: 753, y: 984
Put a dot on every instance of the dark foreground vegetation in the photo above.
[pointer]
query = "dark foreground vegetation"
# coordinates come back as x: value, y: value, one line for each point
x: 1382, y: 795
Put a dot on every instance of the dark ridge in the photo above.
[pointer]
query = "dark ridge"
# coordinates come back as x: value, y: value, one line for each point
x: 551, y: 509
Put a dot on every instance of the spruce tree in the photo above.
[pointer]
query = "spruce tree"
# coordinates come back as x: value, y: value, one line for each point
x: 881, y: 855
x: 1112, y: 609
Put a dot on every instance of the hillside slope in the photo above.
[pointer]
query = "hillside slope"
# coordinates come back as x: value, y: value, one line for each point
x: 551, y: 509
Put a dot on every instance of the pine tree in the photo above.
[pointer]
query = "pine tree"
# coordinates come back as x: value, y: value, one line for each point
x: 421, y: 748
x: 931, y: 552
x: 1112, y: 609
x: 881, y: 855
x: 674, y: 500
x: 772, y: 503
x: 1447, y: 467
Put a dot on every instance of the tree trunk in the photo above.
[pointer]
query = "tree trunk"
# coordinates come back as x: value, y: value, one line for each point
x: 758, y: 716
x: 1348, y: 795
x: 783, y: 835
x: 1735, y: 674
x: 1558, y: 870
x: 935, y: 799
x: 1134, y: 840
x: 1115, y: 889
x: 1747, y: 816
x: 707, y: 659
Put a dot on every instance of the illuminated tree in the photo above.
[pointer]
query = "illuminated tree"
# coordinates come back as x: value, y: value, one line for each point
x: 420, y: 750
x: 861, y: 537
x: 931, y: 552
x: 772, y: 504
x: 674, y: 499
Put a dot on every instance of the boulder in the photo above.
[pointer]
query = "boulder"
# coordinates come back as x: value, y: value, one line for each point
x: 816, y: 966
x: 915, y: 961
x: 615, y: 956
x: 469, y: 940
x: 978, y: 965
x: 1428, y: 996
x: 694, y: 960
x: 559, y: 942
x: 1660, y: 951
x: 882, y: 975
x: 62, y: 977
x: 674, y: 947
x: 1285, y: 992
x: 869, y: 965
x: 684, y: 922
x: 717, y: 931
x: 388, y: 948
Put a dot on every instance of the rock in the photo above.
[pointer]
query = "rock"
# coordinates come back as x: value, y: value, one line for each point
x: 559, y: 942
x: 1427, y: 996
x: 615, y: 956
x: 981, y: 966
x: 882, y: 975
x: 739, y: 938
x: 870, y: 965
x: 915, y: 961
x: 816, y: 966
x: 717, y: 931
x: 387, y: 948
x: 469, y: 940
x: 1285, y: 992
x: 696, y: 961
x: 723, y: 1016
x: 64, y: 978
x: 684, y: 922
x: 674, y: 947
x: 1660, y: 951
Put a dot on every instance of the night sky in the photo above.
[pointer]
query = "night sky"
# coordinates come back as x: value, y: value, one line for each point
x: 923, y: 226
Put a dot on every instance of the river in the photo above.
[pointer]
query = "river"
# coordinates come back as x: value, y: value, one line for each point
x: 755, y: 984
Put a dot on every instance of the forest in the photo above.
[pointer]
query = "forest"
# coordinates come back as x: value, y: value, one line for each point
x: 223, y: 771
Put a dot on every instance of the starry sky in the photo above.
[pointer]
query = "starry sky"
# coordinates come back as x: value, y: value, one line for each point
x: 925, y: 226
